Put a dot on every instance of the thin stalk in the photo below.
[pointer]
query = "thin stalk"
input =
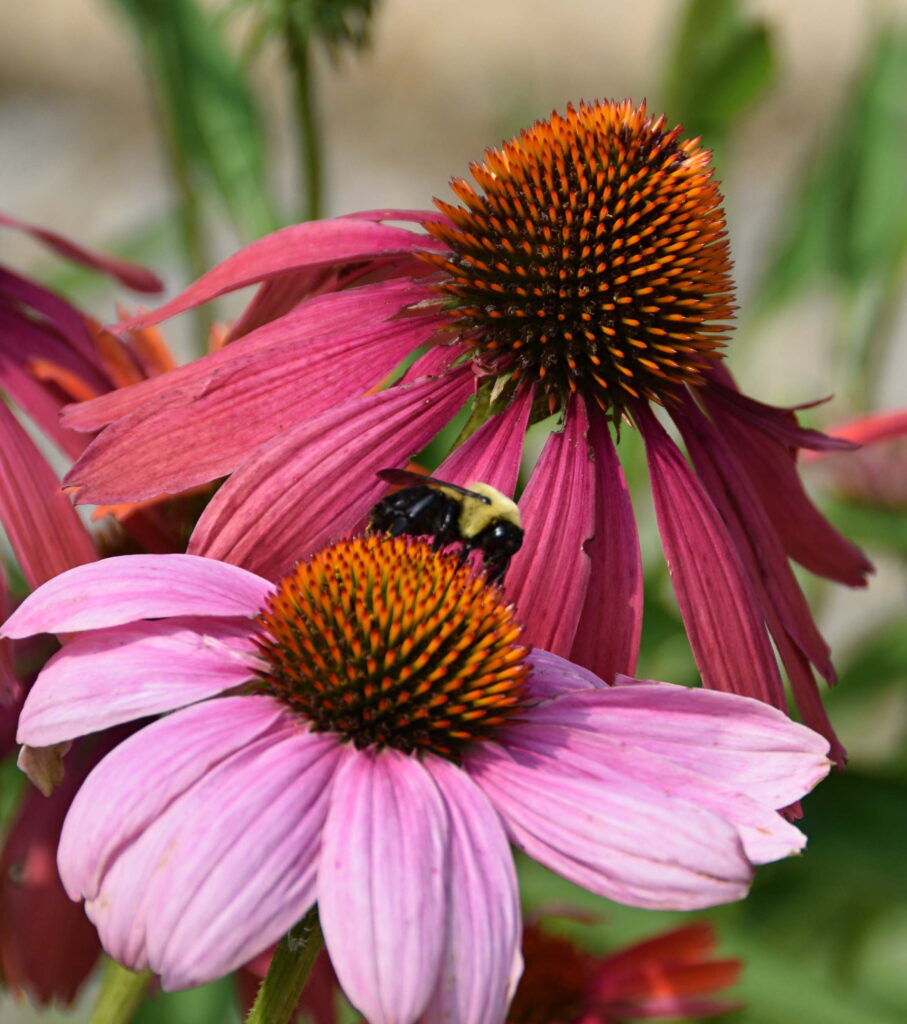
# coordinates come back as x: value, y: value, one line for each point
x: 289, y: 971
x: 122, y: 993
x: 308, y: 126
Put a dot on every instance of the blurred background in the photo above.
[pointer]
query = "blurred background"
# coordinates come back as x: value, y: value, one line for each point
x: 171, y: 131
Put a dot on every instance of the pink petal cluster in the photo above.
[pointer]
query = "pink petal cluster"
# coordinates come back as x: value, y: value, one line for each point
x: 204, y: 836
x: 294, y: 411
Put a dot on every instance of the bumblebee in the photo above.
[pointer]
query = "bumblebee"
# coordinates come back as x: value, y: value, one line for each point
x: 479, y: 518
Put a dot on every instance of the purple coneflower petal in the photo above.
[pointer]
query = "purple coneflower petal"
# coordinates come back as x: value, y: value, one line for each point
x: 719, y: 606
x: 135, y: 277
x: 607, y: 638
x: 80, y: 689
x: 195, y: 903
x: 209, y: 426
x: 741, y: 742
x: 298, y: 491
x: 492, y: 455
x: 382, y: 883
x: 765, y: 834
x: 44, y: 530
x: 330, y: 316
x: 138, y: 780
x: 552, y: 675
x: 132, y: 587
x: 482, y: 960
x: 311, y: 244
x: 630, y: 843
x: 806, y: 534
x: 549, y: 575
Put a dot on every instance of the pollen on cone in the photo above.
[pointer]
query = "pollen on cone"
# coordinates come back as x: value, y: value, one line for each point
x: 592, y: 257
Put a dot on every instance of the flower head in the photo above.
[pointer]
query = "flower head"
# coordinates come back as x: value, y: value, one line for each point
x: 342, y: 738
x: 593, y: 259
x: 586, y: 271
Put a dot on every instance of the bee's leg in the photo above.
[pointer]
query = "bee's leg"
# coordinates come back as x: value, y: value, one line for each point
x: 494, y: 571
x: 398, y: 526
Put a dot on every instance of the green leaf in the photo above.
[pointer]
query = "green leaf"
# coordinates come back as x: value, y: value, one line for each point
x: 210, y: 116
x: 208, y: 1004
x: 848, y: 219
x: 722, y: 63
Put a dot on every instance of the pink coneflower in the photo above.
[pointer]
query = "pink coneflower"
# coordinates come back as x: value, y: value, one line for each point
x: 367, y: 734
x: 586, y: 272
x: 667, y: 977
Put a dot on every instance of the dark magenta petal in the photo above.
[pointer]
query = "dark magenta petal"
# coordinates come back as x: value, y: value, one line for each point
x: 607, y: 640
x: 549, y: 576
x: 719, y: 606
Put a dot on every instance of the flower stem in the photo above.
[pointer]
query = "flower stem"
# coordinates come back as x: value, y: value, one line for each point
x: 299, y: 55
x: 122, y: 992
x: 289, y: 971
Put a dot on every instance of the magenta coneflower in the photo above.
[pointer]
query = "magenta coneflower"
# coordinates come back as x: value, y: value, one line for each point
x: 367, y: 734
x: 586, y: 272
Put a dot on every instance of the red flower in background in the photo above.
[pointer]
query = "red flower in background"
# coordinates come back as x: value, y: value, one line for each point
x: 586, y: 272
x: 670, y: 976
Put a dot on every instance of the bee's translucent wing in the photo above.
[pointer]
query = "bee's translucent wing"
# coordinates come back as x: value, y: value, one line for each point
x: 407, y: 477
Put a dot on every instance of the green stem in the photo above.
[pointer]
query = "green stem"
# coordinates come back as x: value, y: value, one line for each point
x: 299, y: 53
x: 121, y: 994
x: 289, y: 971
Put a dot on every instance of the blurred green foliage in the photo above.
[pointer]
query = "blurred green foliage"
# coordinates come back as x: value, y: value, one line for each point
x: 721, y: 62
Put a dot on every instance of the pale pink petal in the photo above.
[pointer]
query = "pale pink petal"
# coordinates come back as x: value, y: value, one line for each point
x: 549, y: 575
x: 228, y: 866
x: 315, y: 482
x: 765, y: 834
x: 348, y: 313
x: 607, y: 638
x: 482, y: 960
x: 382, y: 884
x: 203, y: 431
x: 719, y: 606
x: 132, y: 587
x: 311, y: 244
x: 44, y: 530
x: 631, y: 843
x: 127, y: 672
x: 552, y: 675
x: 743, y: 743
x: 135, y: 277
x: 492, y: 455
x: 140, y: 778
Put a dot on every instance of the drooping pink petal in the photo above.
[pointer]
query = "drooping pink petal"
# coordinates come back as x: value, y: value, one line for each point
x: 492, y: 455
x: 131, y: 587
x: 382, y: 883
x: 549, y: 576
x: 311, y: 244
x: 482, y: 962
x: 229, y: 863
x: 61, y: 321
x: 44, y: 530
x: 317, y: 481
x: 142, y: 776
x: 631, y: 843
x: 168, y: 663
x: 350, y: 314
x: 204, y: 430
x: 719, y: 606
x: 129, y: 274
x: 765, y: 834
x: 755, y: 538
x: 743, y: 743
x: 607, y: 638
x: 806, y: 534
